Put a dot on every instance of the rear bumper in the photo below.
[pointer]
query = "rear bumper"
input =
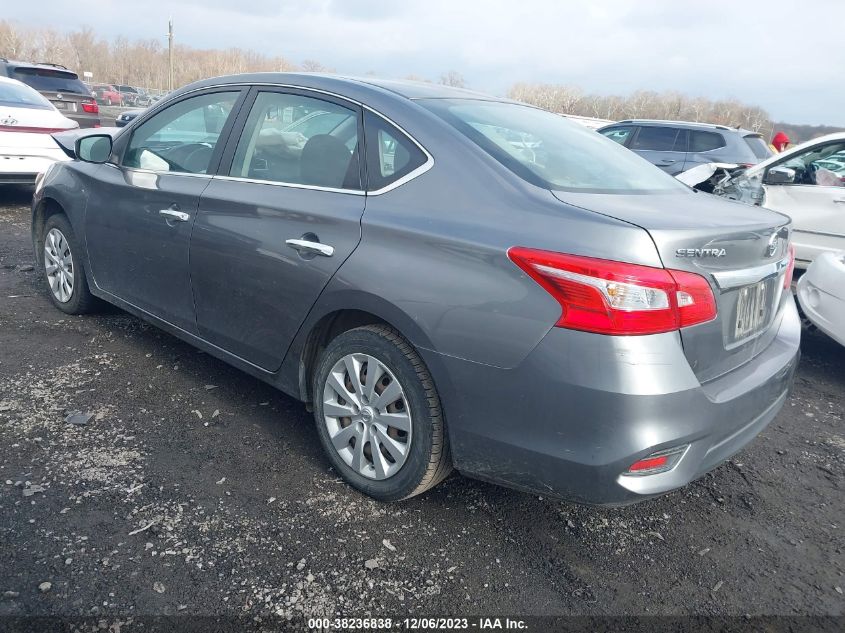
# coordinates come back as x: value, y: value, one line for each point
x: 815, y: 294
x: 583, y: 407
x: 20, y: 165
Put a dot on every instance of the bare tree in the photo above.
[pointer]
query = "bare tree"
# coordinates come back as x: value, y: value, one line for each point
x: 641, y: 104
x: 453, y: 78
x: 311, y: 66
x: 144, y: 63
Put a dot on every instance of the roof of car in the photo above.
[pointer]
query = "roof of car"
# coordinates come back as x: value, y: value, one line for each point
x: 15, y: 62
x: 401, y: 87
x: 689, y: 124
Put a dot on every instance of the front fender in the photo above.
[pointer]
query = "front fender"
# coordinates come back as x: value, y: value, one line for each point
x: 63, y: 189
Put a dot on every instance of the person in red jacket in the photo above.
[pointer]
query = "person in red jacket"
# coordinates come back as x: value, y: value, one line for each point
x: 780, y: 142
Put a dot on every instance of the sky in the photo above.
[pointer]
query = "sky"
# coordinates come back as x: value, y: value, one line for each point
x: 782, y: 55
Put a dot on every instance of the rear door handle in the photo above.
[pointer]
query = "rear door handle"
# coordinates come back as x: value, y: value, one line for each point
x: 311, y: 247
x: 667, y: 161
x: 173, y: 214
x: 840, y: 200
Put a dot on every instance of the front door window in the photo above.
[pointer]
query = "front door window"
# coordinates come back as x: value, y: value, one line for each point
x: 183, y: 137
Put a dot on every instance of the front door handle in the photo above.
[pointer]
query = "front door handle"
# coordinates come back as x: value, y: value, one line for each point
x: 667, y: 161
x: 306, y: 246
x: 840, y: 200
x: 173, y: 214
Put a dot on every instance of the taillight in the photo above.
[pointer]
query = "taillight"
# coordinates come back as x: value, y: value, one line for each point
x: 608, y: 297
x: 90, y: 107
x: 790, y: 267
x: 658, y: 462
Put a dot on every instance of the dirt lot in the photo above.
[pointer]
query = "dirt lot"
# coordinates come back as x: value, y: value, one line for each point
x: 199, y: 490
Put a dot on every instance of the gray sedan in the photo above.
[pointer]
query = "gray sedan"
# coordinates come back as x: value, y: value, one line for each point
x: 448, y: 279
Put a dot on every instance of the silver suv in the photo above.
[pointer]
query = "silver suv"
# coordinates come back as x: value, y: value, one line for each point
x: 676, y: 146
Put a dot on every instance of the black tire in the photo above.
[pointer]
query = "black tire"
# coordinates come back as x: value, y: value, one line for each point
x: 428, y: 460
x: 81, y: 300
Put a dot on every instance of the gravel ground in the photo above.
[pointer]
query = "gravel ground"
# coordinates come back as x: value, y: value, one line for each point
x: 198, y: 490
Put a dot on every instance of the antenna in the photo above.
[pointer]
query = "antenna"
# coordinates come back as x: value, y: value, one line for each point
x: 170, y: 51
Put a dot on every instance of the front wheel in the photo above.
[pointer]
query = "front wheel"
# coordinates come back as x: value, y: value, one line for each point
x: 66, y: 283
x: 378, y: 414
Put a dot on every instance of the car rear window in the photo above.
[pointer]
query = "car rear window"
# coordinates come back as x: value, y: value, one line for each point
x: 50, y: 80
x: 14, y: 95
x: 758, y: 146
x: 658, y: 139
x: 701, y: 141
x: 551, y: 152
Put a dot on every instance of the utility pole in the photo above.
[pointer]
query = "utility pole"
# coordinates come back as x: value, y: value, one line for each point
x: 170, y: 52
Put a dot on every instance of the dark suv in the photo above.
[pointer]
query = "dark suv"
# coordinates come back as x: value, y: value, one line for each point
x: 129, y: 95
x: 677, y: 146
x: 61, y: 86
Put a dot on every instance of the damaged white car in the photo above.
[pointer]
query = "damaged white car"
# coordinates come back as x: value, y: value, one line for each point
x: 805, y: 183
x: 821, y: 294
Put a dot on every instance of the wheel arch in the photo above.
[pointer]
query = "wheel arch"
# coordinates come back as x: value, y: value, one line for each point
x: 46, y: 208
x: 337, y: 313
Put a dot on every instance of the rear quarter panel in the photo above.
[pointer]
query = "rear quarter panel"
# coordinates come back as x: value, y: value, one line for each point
x: 435, y: 250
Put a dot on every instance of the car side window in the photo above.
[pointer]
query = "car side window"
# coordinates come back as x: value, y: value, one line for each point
x: 182, y: 137
x: 299, y: 140
x: 658, y: 139
x: 701, y: 141
x: 618, y: 134
x: 391, y: 155
x: 822, y: 165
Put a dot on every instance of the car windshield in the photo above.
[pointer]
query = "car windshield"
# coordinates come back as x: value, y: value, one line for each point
x: 551, y: 152
x: 15, y: 95
x: 758, y: 146
x: 50, y: 80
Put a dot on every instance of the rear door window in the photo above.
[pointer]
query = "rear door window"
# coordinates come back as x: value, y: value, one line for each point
x: 656, y: 139
x: 391, y: 155
x: 299, y: 140
x: 701, y: 141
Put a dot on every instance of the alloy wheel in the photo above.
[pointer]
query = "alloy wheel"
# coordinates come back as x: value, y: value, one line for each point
x: 58, y: 265
x: 367, y: 416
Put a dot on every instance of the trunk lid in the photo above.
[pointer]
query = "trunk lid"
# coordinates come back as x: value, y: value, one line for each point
x: 739, y: 248
x: 68, y: 103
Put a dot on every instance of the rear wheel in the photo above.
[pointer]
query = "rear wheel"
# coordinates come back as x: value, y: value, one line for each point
x: 378, y: 414
x: 63, y: 271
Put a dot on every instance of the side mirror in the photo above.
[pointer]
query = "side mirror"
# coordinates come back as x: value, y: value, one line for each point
x: 780, y: 176
x: 94, y: 149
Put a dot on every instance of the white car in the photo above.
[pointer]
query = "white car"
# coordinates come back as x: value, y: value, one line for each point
x: 821, y: 293
x: 801, y: 184
x: 26, y: 122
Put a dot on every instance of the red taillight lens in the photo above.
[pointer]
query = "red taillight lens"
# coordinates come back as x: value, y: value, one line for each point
x: 658, y: 462
x: 696, y: 303
x: 790, y: 268
x: 608, y: 297
x: 90, y: 107
x: 650, y: 463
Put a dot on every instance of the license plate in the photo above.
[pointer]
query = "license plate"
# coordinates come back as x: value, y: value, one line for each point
x: 65, y: 105
x: 751, y: 310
